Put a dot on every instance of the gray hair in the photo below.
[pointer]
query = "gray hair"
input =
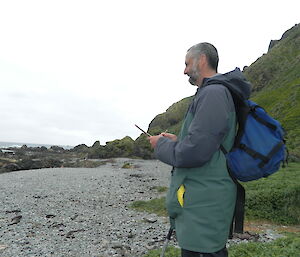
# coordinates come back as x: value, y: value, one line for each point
x: 209, y: 51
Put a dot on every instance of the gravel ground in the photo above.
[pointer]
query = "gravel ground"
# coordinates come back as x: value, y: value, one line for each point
x: 81, y: 212
x: 84, y: 212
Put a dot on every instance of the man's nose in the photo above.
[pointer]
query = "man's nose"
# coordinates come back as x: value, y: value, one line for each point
x: 185, y: 71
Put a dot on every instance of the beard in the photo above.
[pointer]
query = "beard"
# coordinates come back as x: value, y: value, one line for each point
x: 194, y: 73
x: 194, y: 76
x: 192, y: 81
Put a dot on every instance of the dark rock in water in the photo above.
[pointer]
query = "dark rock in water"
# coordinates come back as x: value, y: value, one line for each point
x: 81, y: 148
x: 43, y: 149
x: 56, y: 148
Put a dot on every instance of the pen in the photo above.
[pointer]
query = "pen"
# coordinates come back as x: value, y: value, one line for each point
x: 143, y: 131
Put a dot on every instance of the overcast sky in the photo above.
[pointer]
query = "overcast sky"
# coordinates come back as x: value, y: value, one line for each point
x: 74, y: 72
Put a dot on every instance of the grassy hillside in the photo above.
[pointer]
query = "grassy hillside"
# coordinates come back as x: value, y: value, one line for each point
x: 276, y: 86
x: 171, y: 119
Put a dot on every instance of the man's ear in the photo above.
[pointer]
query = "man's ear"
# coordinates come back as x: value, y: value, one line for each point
x: 202, y: 60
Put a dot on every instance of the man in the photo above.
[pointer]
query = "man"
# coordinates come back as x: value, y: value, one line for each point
x: 201, y: 197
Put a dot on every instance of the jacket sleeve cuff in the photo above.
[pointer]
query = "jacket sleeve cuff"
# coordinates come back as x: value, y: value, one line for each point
x: 164, y: 150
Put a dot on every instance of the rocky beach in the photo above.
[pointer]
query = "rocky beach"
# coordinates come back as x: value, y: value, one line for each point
x: 81, y: 211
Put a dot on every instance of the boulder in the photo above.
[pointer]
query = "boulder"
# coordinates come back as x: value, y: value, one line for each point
x: 10, y: 167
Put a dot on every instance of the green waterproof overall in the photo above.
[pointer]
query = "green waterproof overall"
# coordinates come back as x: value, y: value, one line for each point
x: 201, y: 197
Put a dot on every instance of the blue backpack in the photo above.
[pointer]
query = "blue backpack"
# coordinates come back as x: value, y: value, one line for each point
x: 259, y: 146
x: 258, y: 151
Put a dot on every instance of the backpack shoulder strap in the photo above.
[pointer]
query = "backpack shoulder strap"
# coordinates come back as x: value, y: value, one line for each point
x: 242, y: 108
x: 237, y: 225
x: 239, y: 210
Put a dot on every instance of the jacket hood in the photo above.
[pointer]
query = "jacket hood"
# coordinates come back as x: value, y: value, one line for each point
x: 234, y: 80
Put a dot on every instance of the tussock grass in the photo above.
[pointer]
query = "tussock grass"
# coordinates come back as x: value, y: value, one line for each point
x: 153, y: 206
x: 288, y: 246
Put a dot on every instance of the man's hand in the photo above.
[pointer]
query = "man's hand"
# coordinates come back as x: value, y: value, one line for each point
x: 153, y: 140
x: 170, y: 136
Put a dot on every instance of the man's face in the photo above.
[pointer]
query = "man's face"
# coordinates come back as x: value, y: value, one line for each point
x: 192, y: 70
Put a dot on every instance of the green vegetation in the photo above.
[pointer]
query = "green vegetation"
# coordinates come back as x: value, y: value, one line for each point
x: 127, y: 165
x: 152, y: 206
x: 79, y: 163
x: 170, y: 252
x: 142, y: 148
x: 288, y: 246
x: 117, y: 148
x: 275, y: 199
x: 160, y: 189
x: 125, y: 147
x: 171, y: 119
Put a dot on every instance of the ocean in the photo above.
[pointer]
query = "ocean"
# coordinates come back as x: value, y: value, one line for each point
x: 18, y: 145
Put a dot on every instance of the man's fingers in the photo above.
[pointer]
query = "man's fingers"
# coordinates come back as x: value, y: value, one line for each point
x: 170, y: 136
x: 153, y: 140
